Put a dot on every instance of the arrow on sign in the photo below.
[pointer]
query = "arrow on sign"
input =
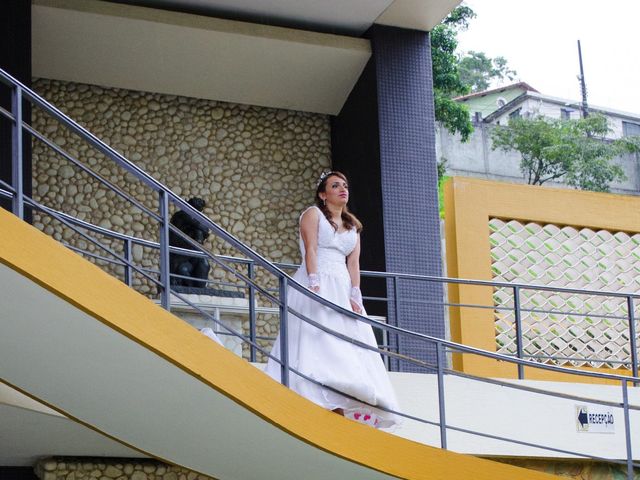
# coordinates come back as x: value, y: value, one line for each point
x: 582, y: 417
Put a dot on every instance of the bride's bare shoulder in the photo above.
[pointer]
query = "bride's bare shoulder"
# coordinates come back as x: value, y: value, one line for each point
x: 311, y: 214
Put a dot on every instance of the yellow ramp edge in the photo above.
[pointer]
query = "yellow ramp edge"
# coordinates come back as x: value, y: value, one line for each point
x: 71, y: 278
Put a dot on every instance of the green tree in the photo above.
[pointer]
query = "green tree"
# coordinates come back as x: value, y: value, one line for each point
x: 446, y: 77
x: 478, y: 71
x: 574, y: 151
x: 631, y: 144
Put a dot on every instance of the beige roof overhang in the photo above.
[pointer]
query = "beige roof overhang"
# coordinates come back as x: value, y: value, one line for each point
x: 157, y: 50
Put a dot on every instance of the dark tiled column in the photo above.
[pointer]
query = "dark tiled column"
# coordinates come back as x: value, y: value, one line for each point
x: 401, y: 205
x: 15, y: 58
x: 356, y: 152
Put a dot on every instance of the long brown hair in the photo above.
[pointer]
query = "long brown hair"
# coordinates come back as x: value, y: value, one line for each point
x: 349, y: 220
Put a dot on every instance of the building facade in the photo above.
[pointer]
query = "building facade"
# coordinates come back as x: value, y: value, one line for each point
x: 492, y: 108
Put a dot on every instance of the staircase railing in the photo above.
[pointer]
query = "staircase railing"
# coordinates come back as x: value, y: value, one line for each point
x: 267, y: 283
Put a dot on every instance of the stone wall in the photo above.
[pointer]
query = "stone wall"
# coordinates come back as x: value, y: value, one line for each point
x: 111, y: 469
x: 255, y: 167
x: 574, y: 469
x: 136, y: 469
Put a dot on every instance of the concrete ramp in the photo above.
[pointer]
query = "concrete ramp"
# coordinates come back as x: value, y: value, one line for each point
x: 89, y: 347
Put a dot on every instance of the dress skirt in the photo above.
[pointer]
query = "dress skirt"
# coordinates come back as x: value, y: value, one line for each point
x: 331, y: 361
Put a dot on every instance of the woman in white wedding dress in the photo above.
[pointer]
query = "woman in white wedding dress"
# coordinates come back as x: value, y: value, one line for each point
x: 330, y: 247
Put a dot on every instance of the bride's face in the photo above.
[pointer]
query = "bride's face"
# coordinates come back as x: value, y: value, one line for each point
x: 336, y: 191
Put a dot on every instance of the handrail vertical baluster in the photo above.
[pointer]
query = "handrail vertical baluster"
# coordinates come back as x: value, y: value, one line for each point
x: 518, y: 326
x: 128, y: 256
x: 396, y: 316
x: 16, y: 153
x: 632, y: 336
x: 284, y: 333
x: 252, y: 313
x: 441, y: 399
x: 627, y: 430
x: 165, y: 277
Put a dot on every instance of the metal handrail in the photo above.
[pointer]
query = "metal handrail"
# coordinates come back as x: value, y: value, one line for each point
x: 257, y: 258
x: 454, y: 347
x: 365, y: 273
x: 501, y: 357
x: 165, y: 196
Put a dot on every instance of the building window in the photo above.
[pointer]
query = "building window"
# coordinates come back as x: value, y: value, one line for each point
x: 565, y: 113
x: 630, y: 129
x: 515, y: 114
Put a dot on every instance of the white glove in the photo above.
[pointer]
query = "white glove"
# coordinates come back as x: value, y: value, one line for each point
x: 314, y: 282
x: 356, y: 297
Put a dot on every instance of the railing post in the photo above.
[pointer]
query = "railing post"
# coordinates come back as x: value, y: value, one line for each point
x: 252, y: 313
x: 441, y: 399
x: 518, y: 325
x: 627, y: 430
x: 396, y: 316
x: 128, y: 256
x: 165, y: 278
x: 632, y: 336
x: 16, y: 153
x: 284, y: 333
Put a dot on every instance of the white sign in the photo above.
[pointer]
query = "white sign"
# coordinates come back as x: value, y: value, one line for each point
x: 594, y: 419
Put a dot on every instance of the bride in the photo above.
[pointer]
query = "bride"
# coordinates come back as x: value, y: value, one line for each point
x: 330, y: 247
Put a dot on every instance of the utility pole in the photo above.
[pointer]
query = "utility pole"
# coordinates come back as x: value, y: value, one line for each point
x: 583, y: 86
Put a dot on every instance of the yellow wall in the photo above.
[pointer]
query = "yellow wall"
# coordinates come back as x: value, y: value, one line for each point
x: 469, y: 204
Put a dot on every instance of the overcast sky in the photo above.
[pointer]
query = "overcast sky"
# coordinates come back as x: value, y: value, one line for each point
x: 539, y: 40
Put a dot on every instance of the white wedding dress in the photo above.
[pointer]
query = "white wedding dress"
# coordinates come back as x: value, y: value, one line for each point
x: 331, y: 361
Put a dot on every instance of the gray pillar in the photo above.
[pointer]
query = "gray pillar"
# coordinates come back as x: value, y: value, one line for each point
x: 385, y: 140
x: 15, y: 58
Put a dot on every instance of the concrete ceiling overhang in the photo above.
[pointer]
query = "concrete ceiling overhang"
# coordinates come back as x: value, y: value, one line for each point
x: 174, y: 53
x: 416, y: 14
x: 349, y: 17
x: 171, y: 52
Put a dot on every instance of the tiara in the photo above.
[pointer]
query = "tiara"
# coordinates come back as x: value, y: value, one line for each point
x: 323, y: 175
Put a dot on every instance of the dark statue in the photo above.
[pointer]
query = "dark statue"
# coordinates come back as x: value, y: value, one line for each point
x: 186, y: 265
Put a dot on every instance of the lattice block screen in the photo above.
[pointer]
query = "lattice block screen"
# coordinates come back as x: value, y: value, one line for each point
x: 572, y: 329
